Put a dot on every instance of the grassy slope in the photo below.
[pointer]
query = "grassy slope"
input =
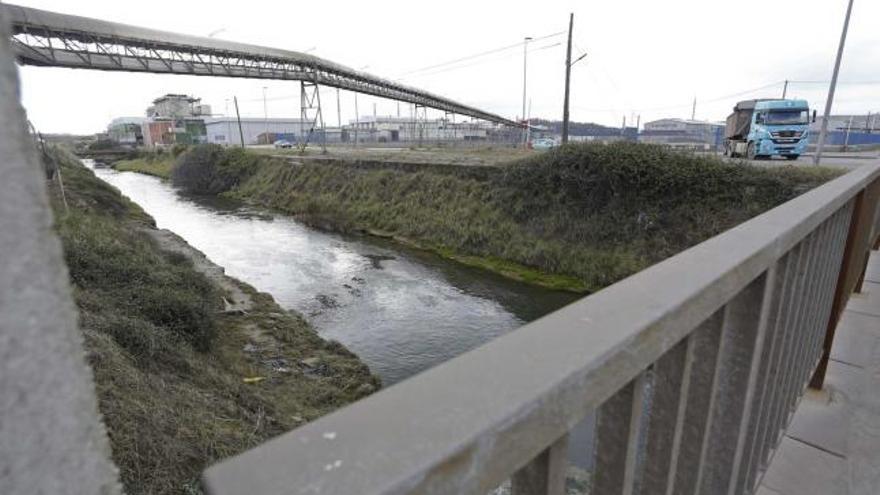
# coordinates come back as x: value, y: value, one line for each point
x: 156, y: 165
x: 578, y: 218
x: 169, y: 365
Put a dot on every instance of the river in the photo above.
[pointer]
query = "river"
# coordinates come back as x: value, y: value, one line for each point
x: 400, y: 310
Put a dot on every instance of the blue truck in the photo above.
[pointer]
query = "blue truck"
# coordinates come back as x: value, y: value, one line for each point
x: 764, y: 128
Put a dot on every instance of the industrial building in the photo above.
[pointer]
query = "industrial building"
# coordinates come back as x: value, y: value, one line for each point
x: 382, y: 129
x: 849, y: 130
x: 127, y: 131
x: 175, y: 106
x: 684, y: 133
x: 225, y: 130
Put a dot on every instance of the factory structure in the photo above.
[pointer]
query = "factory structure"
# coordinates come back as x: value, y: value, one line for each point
x: 849, y: 130
x: 684, y: 133
x: 183, y: 119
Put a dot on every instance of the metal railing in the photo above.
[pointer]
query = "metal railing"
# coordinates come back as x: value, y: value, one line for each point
x: 693, y: 367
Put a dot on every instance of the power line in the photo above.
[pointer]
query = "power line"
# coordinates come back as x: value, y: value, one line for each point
x: 475, y: 63
x: 478, y: 55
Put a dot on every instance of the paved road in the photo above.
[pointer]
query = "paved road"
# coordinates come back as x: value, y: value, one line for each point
x: 840, y: 160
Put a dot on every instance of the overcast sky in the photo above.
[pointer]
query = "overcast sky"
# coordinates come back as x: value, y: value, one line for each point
x: 647, y: 58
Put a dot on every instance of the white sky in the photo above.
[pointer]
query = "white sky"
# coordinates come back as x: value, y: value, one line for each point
x: 646, y: 57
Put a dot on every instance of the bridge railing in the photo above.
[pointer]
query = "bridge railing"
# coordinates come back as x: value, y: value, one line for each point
x: 693, y: 368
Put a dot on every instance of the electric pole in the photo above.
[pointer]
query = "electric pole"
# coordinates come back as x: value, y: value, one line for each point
x: 238, y: 117
x: 694, y: 110
x: 785, y: 89
x: 567, y: 81
x: 821, y: 143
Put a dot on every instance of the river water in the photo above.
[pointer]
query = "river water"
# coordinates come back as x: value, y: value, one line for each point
x: 401, y: 310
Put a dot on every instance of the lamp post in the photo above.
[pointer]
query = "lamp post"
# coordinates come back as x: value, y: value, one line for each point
x: 265, y: 117
x: 525, y: 82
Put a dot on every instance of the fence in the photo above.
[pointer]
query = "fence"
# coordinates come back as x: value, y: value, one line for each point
x: 693, y: 366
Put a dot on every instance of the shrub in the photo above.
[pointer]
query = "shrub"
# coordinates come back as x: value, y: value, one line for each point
x: 211, y: 169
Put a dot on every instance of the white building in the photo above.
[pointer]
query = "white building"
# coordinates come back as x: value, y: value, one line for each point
x: 683, y: 133
x: 389, y: 129
x: 224, y: 130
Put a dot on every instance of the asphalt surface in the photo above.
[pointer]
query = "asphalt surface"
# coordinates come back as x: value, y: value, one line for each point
x: 848, y: 161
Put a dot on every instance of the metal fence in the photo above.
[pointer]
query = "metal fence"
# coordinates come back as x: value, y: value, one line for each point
x: 693, y: 367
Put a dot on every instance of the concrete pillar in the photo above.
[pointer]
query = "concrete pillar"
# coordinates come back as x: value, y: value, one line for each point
x: 52, y: 440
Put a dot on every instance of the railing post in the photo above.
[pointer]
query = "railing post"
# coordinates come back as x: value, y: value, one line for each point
x: 745, y: 323
x: 857, y: 248
x: 545, y: 474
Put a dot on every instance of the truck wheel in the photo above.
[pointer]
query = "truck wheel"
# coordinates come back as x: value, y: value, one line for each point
x: 751, y: 152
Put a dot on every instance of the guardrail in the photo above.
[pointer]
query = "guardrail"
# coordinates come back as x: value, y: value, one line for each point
x: 693, y: 366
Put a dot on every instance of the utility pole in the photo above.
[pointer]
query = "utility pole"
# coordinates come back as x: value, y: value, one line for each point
x: 265, y: 117
x: 785, y: 89
x: 238, y: 117
x: 567, y: 81
x: 525, y: 72
x: 694, y: 110
x: 821, y: 143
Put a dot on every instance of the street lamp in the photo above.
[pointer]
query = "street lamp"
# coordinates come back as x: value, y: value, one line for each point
x: 525, y: 73
x: 265, y: 117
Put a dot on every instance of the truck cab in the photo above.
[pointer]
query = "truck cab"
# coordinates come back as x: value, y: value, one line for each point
x: 766, y: 128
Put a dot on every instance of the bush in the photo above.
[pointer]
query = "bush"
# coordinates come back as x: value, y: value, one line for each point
x: 211, y: 169
x: 592, y: 212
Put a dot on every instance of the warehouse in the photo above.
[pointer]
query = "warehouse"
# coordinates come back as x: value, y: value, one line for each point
x: 683, y: 133
x: 225, y: 130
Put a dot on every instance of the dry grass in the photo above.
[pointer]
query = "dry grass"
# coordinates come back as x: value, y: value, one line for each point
x: 170, y: 366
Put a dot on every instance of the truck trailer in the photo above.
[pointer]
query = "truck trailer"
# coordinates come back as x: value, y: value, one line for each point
x: 764, y: 128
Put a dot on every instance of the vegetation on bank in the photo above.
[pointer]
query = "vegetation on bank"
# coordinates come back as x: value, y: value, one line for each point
x: 578, y: 218
x: 181, y: 381
x: 152, y: 164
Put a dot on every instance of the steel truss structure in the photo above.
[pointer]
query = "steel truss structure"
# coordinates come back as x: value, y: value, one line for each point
x: 44, y: 38
x: 312, y: 116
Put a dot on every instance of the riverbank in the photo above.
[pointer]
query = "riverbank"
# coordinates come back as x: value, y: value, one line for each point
x: 190, y: 365
x: 577, y: 218
x: 149, y: 164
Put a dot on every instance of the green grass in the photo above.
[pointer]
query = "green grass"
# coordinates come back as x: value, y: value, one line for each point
x: 155, y: 165
x: 577, y: 218
x: 169, y: 366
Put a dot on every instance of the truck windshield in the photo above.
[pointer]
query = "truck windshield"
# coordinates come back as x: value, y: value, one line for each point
x: 780, y: 117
